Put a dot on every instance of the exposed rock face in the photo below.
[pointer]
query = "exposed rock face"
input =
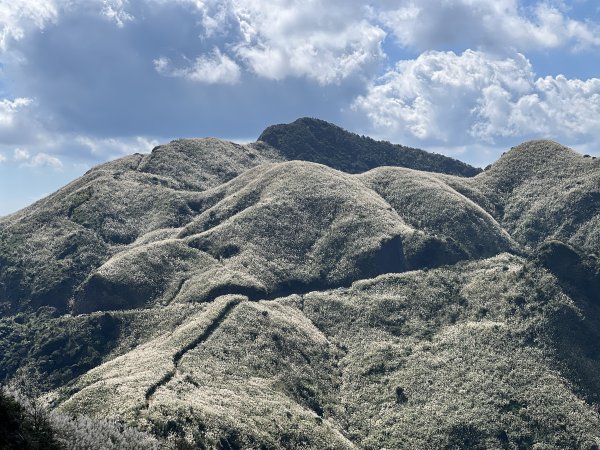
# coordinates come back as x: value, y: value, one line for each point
x: 235, y: 297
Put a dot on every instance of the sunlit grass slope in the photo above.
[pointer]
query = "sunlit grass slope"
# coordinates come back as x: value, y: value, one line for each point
x: 470, y: 356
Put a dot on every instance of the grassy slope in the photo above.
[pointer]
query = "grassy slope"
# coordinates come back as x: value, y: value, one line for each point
x: 541, y: 190
x: 452, y: 357
x: 467, y: 230
x: 472, y: 349
x: 49, y: 248
x: 286, y: 226
x: 344, y: 366
x: 293, y: 227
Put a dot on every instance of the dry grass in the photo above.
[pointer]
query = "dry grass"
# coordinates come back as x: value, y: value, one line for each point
x: 391, y: 309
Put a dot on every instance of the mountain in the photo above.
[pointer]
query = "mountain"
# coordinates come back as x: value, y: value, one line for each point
x: 315, y: 289
x: 47, y: 250
x: 315, y: 140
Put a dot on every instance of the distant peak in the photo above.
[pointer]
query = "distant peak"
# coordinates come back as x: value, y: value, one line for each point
x: 314, y: 122
x: 538, y: 151
x: 319, y: 141
x: 537, y: 145
x: 301, y: 123
x: 540, y: 158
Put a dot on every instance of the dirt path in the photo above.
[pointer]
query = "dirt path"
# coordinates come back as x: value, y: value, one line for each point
x: 203, y: 337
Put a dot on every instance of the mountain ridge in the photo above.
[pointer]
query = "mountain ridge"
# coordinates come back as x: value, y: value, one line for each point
x: 319, y: 141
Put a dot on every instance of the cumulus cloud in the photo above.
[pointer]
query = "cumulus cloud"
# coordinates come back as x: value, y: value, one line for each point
x: 326, y: 41
x: 490, y: 25
x: 554, y: 106
x: 2, y: 158
x: 213, y: 69
x: 442, y: 97
x: 329, y: 41
x: 323, y: 40
x: 251, y: 63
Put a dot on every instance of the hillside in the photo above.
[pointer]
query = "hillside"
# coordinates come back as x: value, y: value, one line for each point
x: 541, y: 190
x: 48, y: 249
x: 315, y: 289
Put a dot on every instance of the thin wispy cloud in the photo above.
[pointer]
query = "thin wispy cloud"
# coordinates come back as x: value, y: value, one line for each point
x: 26, y: 159
x: 116, y: 11
x: 17, y: 17
x: 21, y: 154
x: 11, y: 113
x: 112, y: 147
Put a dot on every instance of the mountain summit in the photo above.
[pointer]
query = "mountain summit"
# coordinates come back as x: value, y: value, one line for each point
x: 318, y: 141
x: 314, y: 289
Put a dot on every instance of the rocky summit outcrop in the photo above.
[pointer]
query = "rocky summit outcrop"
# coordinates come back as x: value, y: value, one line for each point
x: 315, y: 289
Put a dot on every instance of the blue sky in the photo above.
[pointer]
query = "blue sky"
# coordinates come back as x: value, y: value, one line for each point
x: 84, y: 81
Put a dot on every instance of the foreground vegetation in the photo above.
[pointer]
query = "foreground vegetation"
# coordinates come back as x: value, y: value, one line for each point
x: 27, y: 424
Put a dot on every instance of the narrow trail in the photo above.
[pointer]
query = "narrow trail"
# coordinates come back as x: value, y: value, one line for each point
x: 178, y: 289
x: 204, y: 336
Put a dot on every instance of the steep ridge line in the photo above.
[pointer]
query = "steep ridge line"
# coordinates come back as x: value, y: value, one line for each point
x: 214, y: 325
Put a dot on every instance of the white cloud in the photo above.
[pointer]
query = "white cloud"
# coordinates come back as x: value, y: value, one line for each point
x: 327, y: 41
x: 2, y: 158
x: 21, y: 154
x: 554, y: 106
x: 45, y: 160
x: 40, y: 159
x: 213, y: 69
x: 490, y: 25
x: 442, y: 97
x: 19, y: 121
x: 16, y: 16
x: 9, y: 110
x: 116, y: 10
x: 111, y: 147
